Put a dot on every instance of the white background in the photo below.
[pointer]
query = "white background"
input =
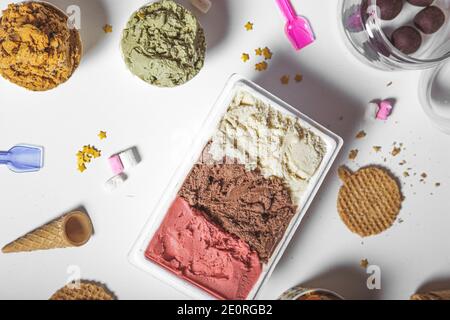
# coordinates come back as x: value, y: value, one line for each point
x: 102, y: 95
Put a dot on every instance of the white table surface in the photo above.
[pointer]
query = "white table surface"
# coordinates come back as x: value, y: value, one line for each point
x: 102, y: 95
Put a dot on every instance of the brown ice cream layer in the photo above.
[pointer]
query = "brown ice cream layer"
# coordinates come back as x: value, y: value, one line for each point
x: 244, y: 203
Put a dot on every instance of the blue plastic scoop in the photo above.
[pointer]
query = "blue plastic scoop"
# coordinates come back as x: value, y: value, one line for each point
x: 23, y: 158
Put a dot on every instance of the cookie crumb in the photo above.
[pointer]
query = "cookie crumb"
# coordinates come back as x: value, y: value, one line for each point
x: 406, y: 174
x: 437, y: 184
x: 424, y: 175
x: 361, y: 134
x: 402, y: 163
x: 395, y: 151
x: 376, y: 148
x: 364, y: 263
x: 389, y: 84
x: 298, y: 77
x: 353, y: 154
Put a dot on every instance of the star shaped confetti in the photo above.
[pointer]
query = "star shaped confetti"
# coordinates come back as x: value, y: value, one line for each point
x: 284, y: 79
x: 267, y: 53
x: 261, y: 66
x: 298, y: 77
x: 102, y: 135
x: 248, y: 26
x: 107, y: 28
x: 259, y: 52
x: 85, y: 155
x: 245, y: 57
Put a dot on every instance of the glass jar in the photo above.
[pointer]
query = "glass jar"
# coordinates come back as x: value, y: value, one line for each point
x: 369, y: 36
x: 301, y: 293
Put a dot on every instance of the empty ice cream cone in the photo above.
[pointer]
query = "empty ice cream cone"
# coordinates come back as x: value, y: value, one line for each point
x: 73, y: 229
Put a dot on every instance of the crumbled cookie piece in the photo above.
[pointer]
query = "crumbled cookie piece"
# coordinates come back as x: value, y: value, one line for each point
x: 353, y: 154
x: 376, y: 148
x: 395, y: 151
x: 364, y: 263
x: 361, y: 134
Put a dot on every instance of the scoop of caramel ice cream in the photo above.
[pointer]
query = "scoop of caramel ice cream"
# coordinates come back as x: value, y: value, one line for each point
x: 38, y: 50
x: 258, y: 210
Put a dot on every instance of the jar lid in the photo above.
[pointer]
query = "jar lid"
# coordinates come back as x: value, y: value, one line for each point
x: 434, y: 94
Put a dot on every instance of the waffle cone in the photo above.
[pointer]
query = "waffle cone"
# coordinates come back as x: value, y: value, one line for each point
x: 87, y: 290
x: 433, y: 295
x: 71, y: 230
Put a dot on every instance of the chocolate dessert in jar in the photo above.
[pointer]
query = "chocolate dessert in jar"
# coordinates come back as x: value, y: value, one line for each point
x: 397, y: 34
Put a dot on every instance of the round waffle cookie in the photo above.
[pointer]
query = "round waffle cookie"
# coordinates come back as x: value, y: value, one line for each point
x: 86, y: 291
x: 369, y: 201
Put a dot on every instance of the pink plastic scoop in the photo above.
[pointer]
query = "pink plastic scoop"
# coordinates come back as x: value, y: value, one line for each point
x: 298, y: 30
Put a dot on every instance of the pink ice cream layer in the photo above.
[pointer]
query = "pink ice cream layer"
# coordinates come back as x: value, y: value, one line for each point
x: 200, y: 252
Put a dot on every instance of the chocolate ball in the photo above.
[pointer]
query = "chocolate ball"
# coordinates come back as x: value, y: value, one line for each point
x: 389, y: 9
x: 430, y: 20
x: 421, y: 3
x: 406, y: 39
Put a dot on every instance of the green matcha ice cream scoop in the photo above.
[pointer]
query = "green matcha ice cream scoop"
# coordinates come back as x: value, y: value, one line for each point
x: 164, y: 44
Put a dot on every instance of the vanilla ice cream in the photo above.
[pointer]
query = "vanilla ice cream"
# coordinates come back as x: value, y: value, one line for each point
x: 258, y: 136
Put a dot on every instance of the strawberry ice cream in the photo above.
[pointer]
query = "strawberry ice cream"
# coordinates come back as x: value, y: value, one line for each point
x: 192, y: 247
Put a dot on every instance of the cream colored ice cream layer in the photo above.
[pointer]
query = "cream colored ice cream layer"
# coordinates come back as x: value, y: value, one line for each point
x: 259, y: 136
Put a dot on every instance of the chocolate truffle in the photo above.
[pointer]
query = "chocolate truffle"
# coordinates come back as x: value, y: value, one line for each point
x: 389, y: 9
x: 421, y: 3
x: 429, y: 20
x: 406, y: 39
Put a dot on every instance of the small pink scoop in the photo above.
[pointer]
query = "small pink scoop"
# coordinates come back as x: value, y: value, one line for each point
x: 298, y: 30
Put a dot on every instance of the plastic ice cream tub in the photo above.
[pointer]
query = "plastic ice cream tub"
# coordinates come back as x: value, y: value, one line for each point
x: 235, y: 84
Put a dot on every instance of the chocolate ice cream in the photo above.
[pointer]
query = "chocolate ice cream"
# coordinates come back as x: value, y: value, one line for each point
x: 244, y: 203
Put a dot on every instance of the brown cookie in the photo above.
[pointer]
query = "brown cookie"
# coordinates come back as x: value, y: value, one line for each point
x: 369, y: 201
x: 87, y: 291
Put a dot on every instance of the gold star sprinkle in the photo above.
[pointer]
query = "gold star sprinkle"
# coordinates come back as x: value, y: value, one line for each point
x: 85, y: 156
x: 245, y: 57
x: 107, y: 28
x: 102, y: 135
x: 284, y: 79
x: 248, y: 26
x: 259, y: 52
x: 261, y: 66
x: 267, y: 53
x: 298, y: 77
